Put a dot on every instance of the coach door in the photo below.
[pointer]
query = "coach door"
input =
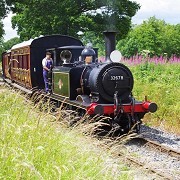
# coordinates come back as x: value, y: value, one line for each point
x: 6, y: 67
x: 20, y: 66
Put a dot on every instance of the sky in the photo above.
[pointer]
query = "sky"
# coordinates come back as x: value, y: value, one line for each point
x: 168, y: 10
x: 9, y: 32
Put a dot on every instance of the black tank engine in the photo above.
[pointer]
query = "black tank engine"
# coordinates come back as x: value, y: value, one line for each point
x: 78, y: 78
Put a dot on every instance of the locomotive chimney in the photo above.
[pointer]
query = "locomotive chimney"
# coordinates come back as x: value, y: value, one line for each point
x: 110, y: 43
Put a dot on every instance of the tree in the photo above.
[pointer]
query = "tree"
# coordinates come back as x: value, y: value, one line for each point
x: 43, y: 17
x: 4, y: 46
x: 10, y: 43
x: 171, y: 39
x: 154, y: 35
x: 3, y: 11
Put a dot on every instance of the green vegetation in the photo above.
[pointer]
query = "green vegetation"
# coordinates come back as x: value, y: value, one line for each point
x: 4, y: 46
x: 3, y: 11
x: 67, y: 17
x: 87, y: 20
x: 161, y: 83
x: 153, y: 35
x: 32, y: 147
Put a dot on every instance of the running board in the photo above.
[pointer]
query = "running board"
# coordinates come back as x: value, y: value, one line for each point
x: 29, y: 92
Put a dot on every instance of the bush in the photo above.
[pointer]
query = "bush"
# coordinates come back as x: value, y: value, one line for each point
x: 161, y: 83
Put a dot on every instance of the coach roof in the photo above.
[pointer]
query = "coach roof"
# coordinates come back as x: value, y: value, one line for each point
x: 56, y: 40
x: 24, y: 43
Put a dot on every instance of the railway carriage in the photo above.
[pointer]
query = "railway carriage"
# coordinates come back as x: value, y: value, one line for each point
x: 23, y: 64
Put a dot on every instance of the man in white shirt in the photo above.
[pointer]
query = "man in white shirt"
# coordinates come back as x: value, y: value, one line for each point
x: 47, y: 63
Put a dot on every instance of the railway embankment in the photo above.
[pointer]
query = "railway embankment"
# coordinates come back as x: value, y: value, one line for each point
x: 38, y: 144
x: 35, y: 141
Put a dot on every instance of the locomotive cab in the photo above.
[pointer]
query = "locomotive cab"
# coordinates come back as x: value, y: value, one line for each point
x: 68, y: 67
x: 70, y: 55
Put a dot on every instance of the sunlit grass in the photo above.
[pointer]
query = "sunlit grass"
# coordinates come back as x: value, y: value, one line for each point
x: 33, y: 147
x: 161, y: 83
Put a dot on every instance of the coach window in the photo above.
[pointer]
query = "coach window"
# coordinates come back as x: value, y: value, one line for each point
x: 26, y: 50
x: 8, y: 58
x: 16, y: 62
x: 20, y: 62
x: 13, y: 62
x: 25, y: 60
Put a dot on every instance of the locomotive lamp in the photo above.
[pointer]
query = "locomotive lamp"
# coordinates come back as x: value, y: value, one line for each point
x: 116, y: 56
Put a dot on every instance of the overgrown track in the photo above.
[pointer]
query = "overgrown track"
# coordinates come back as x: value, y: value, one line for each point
x: 158, y: 146
x: 155, y: 146
x: 134, y: 161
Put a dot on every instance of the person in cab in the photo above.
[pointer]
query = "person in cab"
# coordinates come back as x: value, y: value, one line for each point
x: 47, y: 64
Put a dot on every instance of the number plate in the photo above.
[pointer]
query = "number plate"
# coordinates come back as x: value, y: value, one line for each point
x: 117, y: 78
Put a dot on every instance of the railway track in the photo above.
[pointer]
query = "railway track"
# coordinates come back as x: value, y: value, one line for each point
x: 154, y: 146
x: 157, y: 172
x: 157, y: 146
x: 132, y: 159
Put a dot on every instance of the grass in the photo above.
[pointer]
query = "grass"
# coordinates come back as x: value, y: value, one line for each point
x: 161, y: 82
x: 34, y: 147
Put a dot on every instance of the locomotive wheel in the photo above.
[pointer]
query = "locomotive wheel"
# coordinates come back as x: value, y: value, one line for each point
x: 103, y: 129
x: 138, y: 124
x: 34, y: 97
x: 121, y: 125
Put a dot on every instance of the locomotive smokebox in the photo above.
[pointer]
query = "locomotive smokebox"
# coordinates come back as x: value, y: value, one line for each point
x: 110, y: 43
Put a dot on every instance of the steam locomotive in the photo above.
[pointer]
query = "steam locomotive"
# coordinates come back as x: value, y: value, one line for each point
x: 78, y: 78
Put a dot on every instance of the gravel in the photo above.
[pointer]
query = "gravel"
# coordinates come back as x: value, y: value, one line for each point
x: 165, y: 138
x: 154, y: 158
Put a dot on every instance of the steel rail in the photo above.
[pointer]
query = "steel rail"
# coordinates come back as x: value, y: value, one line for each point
x: 162, y: 148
